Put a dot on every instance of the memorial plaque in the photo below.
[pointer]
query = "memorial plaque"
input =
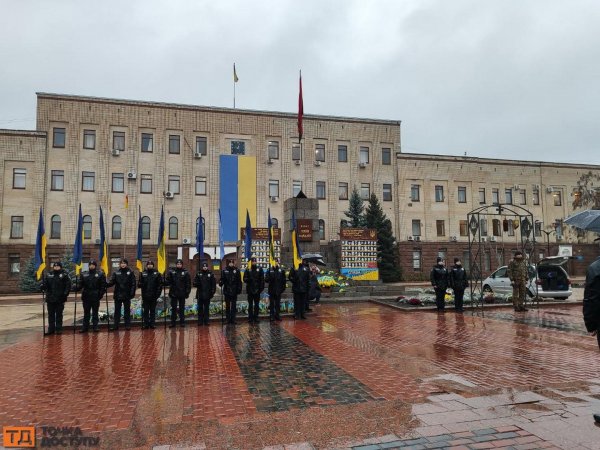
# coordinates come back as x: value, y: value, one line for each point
x: 359, y: 253
x: 305, y: 231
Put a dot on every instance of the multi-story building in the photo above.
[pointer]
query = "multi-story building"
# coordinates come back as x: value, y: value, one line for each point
x: 129, y: 156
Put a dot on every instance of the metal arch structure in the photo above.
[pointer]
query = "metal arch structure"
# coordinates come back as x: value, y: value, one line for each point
x: 520, y: 216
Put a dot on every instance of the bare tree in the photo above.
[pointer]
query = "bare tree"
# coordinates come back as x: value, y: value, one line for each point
x: 587, y: 195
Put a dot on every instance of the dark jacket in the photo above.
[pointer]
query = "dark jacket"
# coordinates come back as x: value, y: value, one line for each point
x: 124, y: 282
x: 205, y: 284
x: 93, y: 284
x: 179, y: 282
x: 231, y: 280
x: 315, y: 289
x: 458, y: 278
x: 151, y: 283
x: 300, y: 279
x: 57, y: 286
x: 255, y: 280
x: 591, y: 297
x: 439, y: 277
x: 276, y: 279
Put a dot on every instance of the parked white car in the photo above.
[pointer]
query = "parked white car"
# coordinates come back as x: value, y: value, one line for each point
x: 549, y: 280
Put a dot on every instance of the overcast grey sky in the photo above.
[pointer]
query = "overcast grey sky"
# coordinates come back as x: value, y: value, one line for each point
x: 516, y: 79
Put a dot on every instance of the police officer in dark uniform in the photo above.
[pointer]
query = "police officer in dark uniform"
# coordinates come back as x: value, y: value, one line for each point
x: 206, y: 286
x: 231, y: 281
x: 255, y: 284
x: 300, y: 279
x: 93, y: 287
x: 276, y: 279
x: 458, y: 283
x: 124, y: 282
x: 180, y: 286
x: 151, y: 284
x: 439, y: 281
x: 57, y: 285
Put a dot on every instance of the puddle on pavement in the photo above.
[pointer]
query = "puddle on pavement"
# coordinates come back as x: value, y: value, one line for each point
x: 534, y: 406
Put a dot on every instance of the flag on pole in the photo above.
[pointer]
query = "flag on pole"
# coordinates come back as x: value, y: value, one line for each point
x: 200, y: 238
x: 235, y: 77
x: 103, y: 257
x: 161, y: 251
x: 126, y: 201
x: 248, y: 241
x: 300, y: 111
x: 297, y: 255
x: 78, y: 247
x: 138, y: 259
x: 40, y: 248
x: 221, y: 243
x: 271, y: 240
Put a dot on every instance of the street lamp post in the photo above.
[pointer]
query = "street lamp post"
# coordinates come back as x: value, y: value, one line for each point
x: 547, y: 233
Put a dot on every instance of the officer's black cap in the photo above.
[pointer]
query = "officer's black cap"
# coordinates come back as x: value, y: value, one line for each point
x: 179, y: 261
x: 149, y: 262
x: 124, y: 260
x: 92, y: 262
x: 57, y: 263
x: 204, y: 264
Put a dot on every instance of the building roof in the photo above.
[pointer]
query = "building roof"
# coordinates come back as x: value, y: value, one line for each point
x: 30, y: 133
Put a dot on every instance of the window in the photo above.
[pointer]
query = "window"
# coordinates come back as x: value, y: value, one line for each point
x: 440, y: 226
x: 321, y: 190
x: 511, y: 227
x: 463, y: 229
x: 365, y: 191
x: 118, y: 182
x: 201, y: 145
x: 321, y: 229
x: 522, y: 197
x: 89, y: 139
x: 119, y: 140
x: 320, y: 152
x: 343, y: 191
x: 558, y: 228
x: 536, y: 196
x: 55, y: 224
x: 416, y: 227
x: 273, y: 188
x: 145, y: 227
x: 174, y: 184
x: 496, y: 227
x: 146, y: 183
x: 386, y: 156
x: 483, y: 227
x: 296, y: 152
x: 439, y: 193
x: 416, y: 260
x: 387, y: 192
x: 174, y: 145
x: 14, y: 263
x: 296, y: 187
x: 273, y: 150
x: 415, y: 193
x: 442, y: 252
x: 57, y: 181
x: 173, y: 228
x: 495, y: 196
x: 147, y: 143
x: 19, y: 178
x: 462, y: 194
x: 482, y: 196
x: 557, y: 195
x: 364, y: 155
x: 88, y: 181
x: 508, y: 196
x: 16, y: 227
x: 487, y: 261
x: 537, y: 229
x: 116, y: 227
x: 342, y: 153
x: 87, y: 227
x: 200, y: 185
x: 58, y: 138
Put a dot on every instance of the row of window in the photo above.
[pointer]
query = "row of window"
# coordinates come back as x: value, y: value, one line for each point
x: 415, y: 195
x: 498, y: 226
x: 321, y: 190
x: 147, y: 146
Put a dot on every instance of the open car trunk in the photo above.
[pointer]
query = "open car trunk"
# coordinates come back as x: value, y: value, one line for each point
x: 551, y: 274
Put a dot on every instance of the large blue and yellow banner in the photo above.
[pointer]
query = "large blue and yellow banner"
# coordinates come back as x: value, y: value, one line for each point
x: 237, y: 175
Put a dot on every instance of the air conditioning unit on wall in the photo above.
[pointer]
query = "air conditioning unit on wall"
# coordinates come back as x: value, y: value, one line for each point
x: 549, y: 189
x: 453, y: 238
x: 131, y: 175
x: 187, y: 241
x: 116, y: 152
x: 410, y: 238
x: 317, y: 163
x: 362, y: 165
x: 274, y: 199
x: 169, y: 194
x: 197, y: 155
x: 417, y: 238
x: 492, y: 238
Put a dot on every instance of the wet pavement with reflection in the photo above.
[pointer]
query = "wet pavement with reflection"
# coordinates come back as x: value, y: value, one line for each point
x: 346, y: 354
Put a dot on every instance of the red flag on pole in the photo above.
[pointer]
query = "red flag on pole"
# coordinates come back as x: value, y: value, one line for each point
x: 300, y: 111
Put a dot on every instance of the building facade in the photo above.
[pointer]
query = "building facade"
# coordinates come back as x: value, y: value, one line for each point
x: 132, y: 157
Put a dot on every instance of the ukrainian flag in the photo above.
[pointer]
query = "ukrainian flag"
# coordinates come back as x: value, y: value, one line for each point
x: 40, y: 248
x: 296, y: 253
x: 78, y: 246
x: 103, y: 256
x: 237, y: 175
x: 138, y: 258
x: 161, y: 251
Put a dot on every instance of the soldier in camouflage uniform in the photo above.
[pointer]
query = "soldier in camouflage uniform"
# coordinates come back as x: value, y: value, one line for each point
x: 517, y: 273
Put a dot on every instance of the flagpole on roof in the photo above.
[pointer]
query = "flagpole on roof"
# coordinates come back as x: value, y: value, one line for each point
x: 235, y: 80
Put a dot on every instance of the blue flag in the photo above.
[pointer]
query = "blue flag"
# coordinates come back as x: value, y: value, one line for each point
x: 221, y: 243
x: 103, y: 256
x: 78, y: 247
x: 248, y: 240
x: 200, y: 238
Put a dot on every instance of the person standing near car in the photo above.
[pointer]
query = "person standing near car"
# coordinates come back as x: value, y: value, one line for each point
x: 458, y: 283
x: 517, y: 274
x: 439, y: 281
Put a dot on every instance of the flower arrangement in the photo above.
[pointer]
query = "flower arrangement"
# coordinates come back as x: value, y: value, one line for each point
x: 415, y: 302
